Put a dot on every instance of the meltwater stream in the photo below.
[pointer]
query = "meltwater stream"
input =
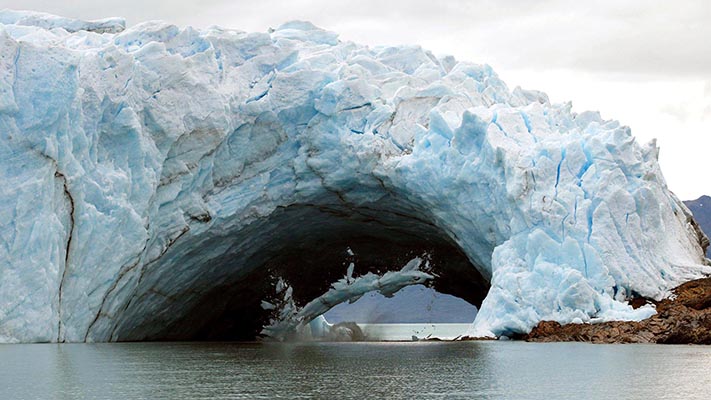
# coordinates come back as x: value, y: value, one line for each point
x: 506, y: 370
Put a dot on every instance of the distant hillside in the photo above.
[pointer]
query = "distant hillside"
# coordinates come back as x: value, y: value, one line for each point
x: 701, y: 208
x: 411, y: 304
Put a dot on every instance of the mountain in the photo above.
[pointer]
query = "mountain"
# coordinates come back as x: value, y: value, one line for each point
x: 701, y: 208
x: 414, y: 304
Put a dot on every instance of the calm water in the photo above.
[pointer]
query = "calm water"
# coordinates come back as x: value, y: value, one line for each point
x: 419, y: 330
x: 512, y: 370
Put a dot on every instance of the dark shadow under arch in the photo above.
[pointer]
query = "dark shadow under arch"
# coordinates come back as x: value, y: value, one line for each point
x: 307, y: 245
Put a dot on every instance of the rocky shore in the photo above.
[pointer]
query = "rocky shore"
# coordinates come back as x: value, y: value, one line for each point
x: 683, y: 318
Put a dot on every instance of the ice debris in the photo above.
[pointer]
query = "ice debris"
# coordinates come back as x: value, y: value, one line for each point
x: 291, y: 321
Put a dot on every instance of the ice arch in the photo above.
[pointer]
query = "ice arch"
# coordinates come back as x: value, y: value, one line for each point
x: 154, y: 170
x: 211, y: 287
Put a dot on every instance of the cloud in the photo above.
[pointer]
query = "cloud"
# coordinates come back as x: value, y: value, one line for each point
x: 678, y: 111
x: 707, y: 113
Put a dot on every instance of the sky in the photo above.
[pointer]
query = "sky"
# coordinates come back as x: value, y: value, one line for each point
x: 646, y: 63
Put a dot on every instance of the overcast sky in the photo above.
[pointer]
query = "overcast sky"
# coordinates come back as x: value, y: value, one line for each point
x: 646, y: 63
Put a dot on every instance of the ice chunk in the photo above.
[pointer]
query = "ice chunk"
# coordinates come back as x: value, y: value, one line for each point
x: 291, y: 321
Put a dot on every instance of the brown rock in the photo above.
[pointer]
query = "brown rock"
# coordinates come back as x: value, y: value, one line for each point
x: 695, y: 294
x: 684, y: 318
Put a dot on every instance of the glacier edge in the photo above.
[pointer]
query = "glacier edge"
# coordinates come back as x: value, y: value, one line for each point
x: 191, y: 157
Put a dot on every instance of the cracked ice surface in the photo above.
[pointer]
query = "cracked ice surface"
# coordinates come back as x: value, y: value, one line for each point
x: 136, y: 165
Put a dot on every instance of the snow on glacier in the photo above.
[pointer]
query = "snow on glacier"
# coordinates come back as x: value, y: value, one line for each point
x: 49, y: 21
x: 136, y: 162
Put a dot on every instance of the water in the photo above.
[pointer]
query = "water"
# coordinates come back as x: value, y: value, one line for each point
x: 419, y: 330
x: 438, y: 370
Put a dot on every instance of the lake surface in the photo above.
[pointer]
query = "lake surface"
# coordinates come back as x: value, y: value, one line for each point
x: 397, y: 332
x: 438, y: 370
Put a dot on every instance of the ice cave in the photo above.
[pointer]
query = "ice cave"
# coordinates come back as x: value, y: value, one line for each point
x: 221, y: 291
x: 166, y: 183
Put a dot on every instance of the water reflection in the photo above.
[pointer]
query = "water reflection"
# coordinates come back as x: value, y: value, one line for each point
x: 353, y: 370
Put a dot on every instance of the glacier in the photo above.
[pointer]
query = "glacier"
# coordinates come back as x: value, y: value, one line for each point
x: 157, y: 180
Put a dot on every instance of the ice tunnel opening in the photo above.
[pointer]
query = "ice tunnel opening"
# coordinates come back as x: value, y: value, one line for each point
x: 413, y: 304
x: 310, y: 246
x: 415, y: 312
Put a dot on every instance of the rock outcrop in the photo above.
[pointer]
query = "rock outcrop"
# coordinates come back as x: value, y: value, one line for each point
x: 701, y: 208
x: 685, y: 317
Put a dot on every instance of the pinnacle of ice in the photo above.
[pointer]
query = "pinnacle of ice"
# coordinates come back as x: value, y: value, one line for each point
x: 153, y: 176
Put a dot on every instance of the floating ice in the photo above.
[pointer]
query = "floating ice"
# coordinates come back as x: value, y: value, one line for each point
x: 148, y: 170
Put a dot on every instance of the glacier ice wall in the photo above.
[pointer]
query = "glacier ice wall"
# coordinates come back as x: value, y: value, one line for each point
x: 142, y: 168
